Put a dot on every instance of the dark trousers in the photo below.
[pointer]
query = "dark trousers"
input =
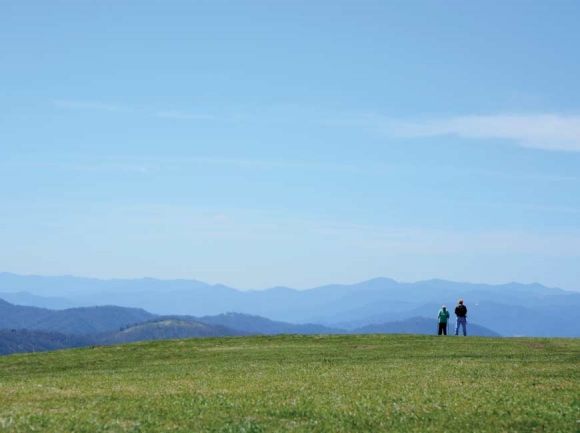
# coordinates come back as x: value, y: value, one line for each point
x: 442, y: 328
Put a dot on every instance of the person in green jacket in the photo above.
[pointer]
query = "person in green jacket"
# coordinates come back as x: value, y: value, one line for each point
x: 443, y: 317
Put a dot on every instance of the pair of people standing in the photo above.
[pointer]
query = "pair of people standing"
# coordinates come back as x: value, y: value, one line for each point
x: 460, y: 312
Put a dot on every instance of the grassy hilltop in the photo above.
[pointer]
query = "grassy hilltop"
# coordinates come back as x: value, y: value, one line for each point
x: 303, y: 383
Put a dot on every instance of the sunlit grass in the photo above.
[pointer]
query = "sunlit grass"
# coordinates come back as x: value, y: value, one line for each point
x: 323, y: 383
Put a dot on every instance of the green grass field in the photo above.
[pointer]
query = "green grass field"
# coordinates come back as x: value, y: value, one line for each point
x: 301, y: 383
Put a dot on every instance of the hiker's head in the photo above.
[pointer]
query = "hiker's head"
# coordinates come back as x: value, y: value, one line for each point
x: 443, y: 307
x: 461, y: 301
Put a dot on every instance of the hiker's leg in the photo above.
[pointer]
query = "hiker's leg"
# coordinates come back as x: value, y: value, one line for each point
x: 457, y: 326
x: 444, y: 327
x: 440, y: 329
x: 464, y: 325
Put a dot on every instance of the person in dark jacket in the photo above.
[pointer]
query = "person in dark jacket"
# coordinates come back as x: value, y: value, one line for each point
x: 461, y: 313
x: 443, y: 317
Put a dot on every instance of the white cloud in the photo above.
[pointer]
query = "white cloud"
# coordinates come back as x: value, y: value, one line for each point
x: 542, y: 131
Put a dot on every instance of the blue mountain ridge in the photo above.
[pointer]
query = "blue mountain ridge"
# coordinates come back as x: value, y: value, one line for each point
x: 509, y: 309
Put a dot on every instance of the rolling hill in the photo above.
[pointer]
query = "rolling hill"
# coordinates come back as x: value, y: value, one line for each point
x: 165, y: 329
x: 85, y: 320
x: 297, y: 383
x: 260, y: 325
x: 23, y: 340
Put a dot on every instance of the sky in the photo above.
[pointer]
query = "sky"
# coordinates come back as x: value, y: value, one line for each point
x: 291, y: 143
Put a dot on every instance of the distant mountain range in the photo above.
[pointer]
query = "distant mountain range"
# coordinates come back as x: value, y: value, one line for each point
x: 508, y: 309
x: 39, y: 329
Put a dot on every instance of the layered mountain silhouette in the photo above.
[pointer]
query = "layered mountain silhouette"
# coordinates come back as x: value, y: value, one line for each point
x: 45, y: 329
x: 509, y: 309
x: 83, y: 320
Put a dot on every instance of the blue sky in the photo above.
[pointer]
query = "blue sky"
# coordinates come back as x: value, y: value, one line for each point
x: 298, y: 143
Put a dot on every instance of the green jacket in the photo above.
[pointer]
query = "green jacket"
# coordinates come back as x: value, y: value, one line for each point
x: 443, y: 316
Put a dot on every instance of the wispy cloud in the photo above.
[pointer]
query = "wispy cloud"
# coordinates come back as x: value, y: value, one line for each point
x: 440, y: 241
x: 83, y: 166
x: 125, y: 168
x: 184, y: 115
x: 166, y: 114
x: 170, y: 222
x: 543, y: 131
x: 145, y: 165
x: 535, y: 207
x: 240, y: 163
x: 89, y: 105
x: 273, y: 164
x: 552, y: 132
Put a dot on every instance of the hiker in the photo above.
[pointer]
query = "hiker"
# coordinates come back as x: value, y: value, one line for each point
x: 443, y: 317
x: 461, y: 313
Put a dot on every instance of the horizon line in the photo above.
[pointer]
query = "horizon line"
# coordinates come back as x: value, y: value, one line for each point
x: 535, y: 283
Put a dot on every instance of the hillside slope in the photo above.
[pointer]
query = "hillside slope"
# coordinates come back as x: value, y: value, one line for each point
x: 22, y: 341
x: 83, y: 320
x: 165, y: 329
x: 91, y: 320
x: 17, y: 316
x: 260, y: 325
x: 297, y: 383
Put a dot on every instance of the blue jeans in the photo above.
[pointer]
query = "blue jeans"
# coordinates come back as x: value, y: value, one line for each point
x: 463, y: 322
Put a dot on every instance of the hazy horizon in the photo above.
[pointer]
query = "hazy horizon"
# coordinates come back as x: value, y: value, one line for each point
x: 241, y: 288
